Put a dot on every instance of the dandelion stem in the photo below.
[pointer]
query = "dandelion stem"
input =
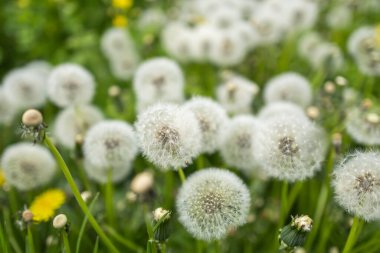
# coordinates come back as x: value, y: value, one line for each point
x: 131, y: 245
x: 284, y: 203
x: 74, y: 189
x: 108, y: 197
x: 181, y: 175
x: 30, y: 244
x: 354, y: 234
x: 66, y: 242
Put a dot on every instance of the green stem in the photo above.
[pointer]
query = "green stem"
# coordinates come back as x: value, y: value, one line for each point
x: 30, y: 244
x: 151, y: 244
x: 181, y: 175
x: 66, y: 242
x: 199, y: 246
x: 74, y: 189
x: 354, y: 234
x: 163, y: 247
x: 284, y: 203
x: 82, y: 175
x: 217, y: 246
x: 131, y: 245
x: 109, y: 199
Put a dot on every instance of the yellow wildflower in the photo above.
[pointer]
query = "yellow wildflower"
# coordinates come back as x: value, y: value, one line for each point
x: 44, y: 205
x: 377, y: 36
x: 120, y: 21
x: 2, y: 178
x: 122, y: 4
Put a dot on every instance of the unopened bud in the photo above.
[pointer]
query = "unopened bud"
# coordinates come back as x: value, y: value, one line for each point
x: 27, y: 216
x: 142, y: 182
x: 32, y: 118
x: 59, y: 221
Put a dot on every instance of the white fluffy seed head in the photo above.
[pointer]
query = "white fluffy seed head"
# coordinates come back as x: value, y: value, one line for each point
x: 115, y: 42
x: 212, y: 119
x: 168, y: 135
x: 236, y: 94
x: 74, y: 121
x: 289, y: 86
x: 237, y: 143
x: 101, y: 174
x: 356, y: 182
x: 290, y: 147
x: 211, y: 202
x: 281, y: 108
x: 8, y: 108
x: 27, y: 166
x: 25, y: 88
x: 70, y: 84
x: 158, y: 80
x: 363, y: 126
x: 110, y: 143
x: 327, y: 56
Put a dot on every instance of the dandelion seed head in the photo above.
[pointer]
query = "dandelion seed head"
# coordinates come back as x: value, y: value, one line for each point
x: 281, y: 108
x: 158, y: 80
x: 212, y: 201
x: 100, y: 174
x: 70, y: 84
x: 27, y: 166
x: 8, y: 108
x: 356, y: 183
x: 212, y: 119
x: 169, y: 136
x: 363, y: 126
x: 74, y: 121
x: 288, y: 86
x: 290, y: 147
x: 110, y: 143
x: 237, y: 140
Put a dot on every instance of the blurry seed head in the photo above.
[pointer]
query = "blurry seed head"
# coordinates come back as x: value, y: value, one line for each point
x: 339, y: 17
x: 70, y: 84
x: 74, y: 121
x: 100, y: 174
x: 308, y: 43
x: 115, y: 42
x: 212, y: 119
x: 25, y: 88
x: 280, y: 108
x: 356, y: 183
x: 124, y: 66
x: 158, y: 80
x: 177, y: 38
x: 327, y: 56
x: 236, y: 94
x: 59, y: 221
x: 212, y: 201
x: 27, y: 166
x: 110, y: 143
x: 290, y: 147
x: 169, y: 136
x: 8, y: 108
x: 363, y: 126
x: 237, y: 140
x: 142, y: 182
x: 288, y: 86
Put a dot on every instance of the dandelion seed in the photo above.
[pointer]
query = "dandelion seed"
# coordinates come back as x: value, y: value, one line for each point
x: 70, y: 84
x: 27, y: 166
x: 212, y: 119
x: 356, y: 182
x: 169, y: 136
x: 211, y: 202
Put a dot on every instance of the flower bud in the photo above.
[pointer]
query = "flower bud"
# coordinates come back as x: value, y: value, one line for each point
x: 59, y: 221
x: 27, y: 215
x: 32, y: 118
x: 161, y: 217
x: 294, y: 234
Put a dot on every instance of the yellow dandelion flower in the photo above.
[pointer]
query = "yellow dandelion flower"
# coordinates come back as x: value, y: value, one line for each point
x: 122, y: 4
x: 377, y: 36
x: 120, y: 21
x: 2, y: 178
x: 44, y: 205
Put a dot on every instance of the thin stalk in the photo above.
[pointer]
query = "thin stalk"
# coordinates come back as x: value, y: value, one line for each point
x: 82, y: 175
x: 217, y: 246
x: 66, y: 242
x: 129, y: 244
x: 354, y: 234
x: 181, y: 175
x: 30, y: 242
x: 108, y: 198
x: 284, y: 203
x: 62, y: 165
x: 151, y: 246
x: 9, y: 231
x: 163, y: 247
x: 199, y: 246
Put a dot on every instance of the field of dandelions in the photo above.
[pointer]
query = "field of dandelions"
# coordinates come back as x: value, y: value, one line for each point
x: 190, y: 126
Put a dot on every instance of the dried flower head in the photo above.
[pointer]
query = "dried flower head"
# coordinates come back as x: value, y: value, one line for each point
x: 32, y: 118
x: 74, y: 121
x: 290, y: 147
x: 212, y: 201
x: 212, y: 119
x: 27, y: 166
x: 356, y: 182
x: 70, y: 84
x: 169, y: 136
